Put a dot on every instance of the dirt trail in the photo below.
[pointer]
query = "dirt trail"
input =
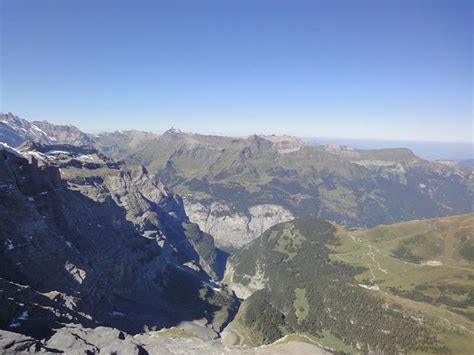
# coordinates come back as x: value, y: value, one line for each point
x: 371, y: 254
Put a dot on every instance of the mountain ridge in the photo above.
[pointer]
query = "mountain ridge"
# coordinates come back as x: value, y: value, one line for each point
x: 239, y: 176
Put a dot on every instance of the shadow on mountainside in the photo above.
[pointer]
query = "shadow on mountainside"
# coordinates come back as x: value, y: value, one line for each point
x: 221, y: 262
x: 69, y: 258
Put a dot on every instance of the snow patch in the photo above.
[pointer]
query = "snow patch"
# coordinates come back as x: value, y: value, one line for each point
x: 85, y: 157
x: 212, y: 287
x: 36, y: 128
x: 23, y: 316
x: 6, y: 147
x: 53, y: 152
x: 37, y: 155
x: 370, y: 287
x: 116, y: 313
x: 433, y: 263
x: 9, y: 244
x: 16, y: 322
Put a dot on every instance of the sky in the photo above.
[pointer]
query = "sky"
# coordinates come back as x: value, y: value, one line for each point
x: 385, y: 70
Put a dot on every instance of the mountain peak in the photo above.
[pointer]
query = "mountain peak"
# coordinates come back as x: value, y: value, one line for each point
x: 174, y: 131
x: 9, y: 117
x: 15, y: 130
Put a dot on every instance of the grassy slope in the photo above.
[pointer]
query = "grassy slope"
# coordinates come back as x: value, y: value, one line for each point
x: 400, y: 281
x: 405, y: 282
x: 246, y: 172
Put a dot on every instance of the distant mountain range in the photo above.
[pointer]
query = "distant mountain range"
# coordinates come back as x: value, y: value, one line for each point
x: 97, y: 250
x: 15, y: 130
x: 236, y: 188
x: 458, y: 151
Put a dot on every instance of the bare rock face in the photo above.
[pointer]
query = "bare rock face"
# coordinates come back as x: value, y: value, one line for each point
x: 255, y: 282
x: 233, y: 229
x: 64, y: 133
x: 285, y: 144
x: 87, y: 240
x: 15, y: 343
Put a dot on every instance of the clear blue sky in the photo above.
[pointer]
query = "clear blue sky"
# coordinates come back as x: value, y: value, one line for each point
x: 359, y: 69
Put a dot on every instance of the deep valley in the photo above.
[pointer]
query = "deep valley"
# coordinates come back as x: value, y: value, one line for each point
x: 220, y: 245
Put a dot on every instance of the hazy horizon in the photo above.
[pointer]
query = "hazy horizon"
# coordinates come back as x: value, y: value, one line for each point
x: 273, y: 176
x: 332, y: 69
x: 431, y: 150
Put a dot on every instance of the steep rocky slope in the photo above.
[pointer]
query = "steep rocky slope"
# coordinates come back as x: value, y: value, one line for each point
x: 234, y: 229
x: 15, y: 130
x: 84, y: 239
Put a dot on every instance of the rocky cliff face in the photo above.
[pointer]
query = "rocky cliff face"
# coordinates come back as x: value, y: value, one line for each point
x: 15, y: 130
x: 88, y: 240
x: 65, y: 133
x: 235, y: 229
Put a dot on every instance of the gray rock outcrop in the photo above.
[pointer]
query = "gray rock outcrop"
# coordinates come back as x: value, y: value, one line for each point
x: 234, y: 229
x: 88, y: 240
x: 74, y: 339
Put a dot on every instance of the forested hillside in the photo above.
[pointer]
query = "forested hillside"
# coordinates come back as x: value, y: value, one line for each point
x: 347, y: 290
